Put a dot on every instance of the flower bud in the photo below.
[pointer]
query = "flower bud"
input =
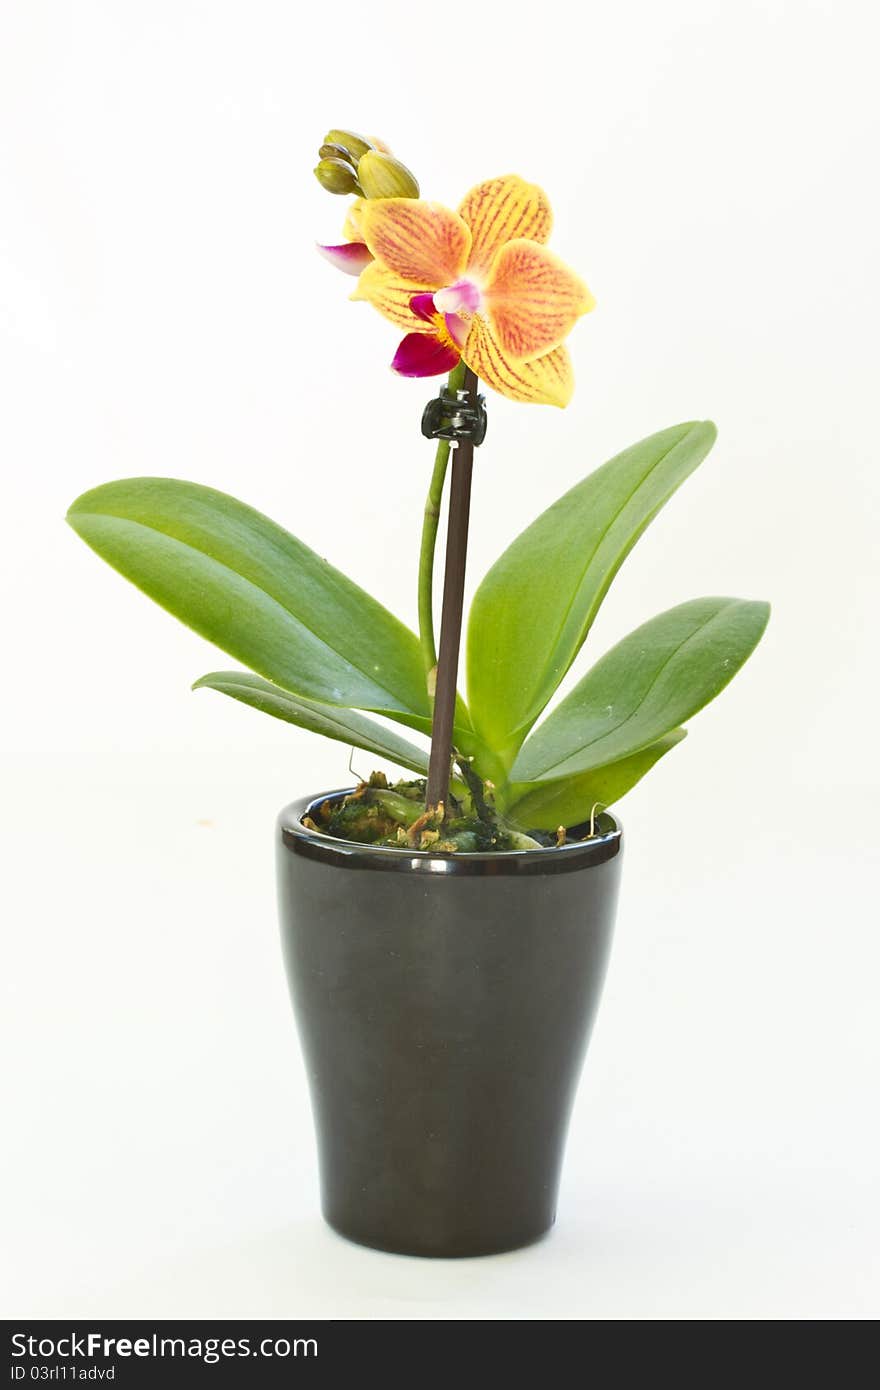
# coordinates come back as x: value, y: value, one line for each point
x: 336, y: 152
x: 383, y: 176
x: 356, y: 145
x: 337, y: 176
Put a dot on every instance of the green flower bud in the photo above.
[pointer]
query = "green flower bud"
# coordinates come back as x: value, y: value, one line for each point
x: 336, y: 152
x: 337, y: 176
x: 356, y: 145
x: 383, y: 176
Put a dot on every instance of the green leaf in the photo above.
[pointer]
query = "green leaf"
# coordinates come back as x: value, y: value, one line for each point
x: 534, y: 608
x: 343, y: 725
x: 652, y: 681
x: 257, y: 592
x: 570, y: 800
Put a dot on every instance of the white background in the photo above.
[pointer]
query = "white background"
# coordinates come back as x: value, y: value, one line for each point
x: 712, y: 168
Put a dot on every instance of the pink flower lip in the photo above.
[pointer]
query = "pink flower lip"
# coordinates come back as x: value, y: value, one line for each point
x: 423, y: 307
x: 462, y: 297
x: 423, y: 354
x: 457, y: 328
x: 351, y: 257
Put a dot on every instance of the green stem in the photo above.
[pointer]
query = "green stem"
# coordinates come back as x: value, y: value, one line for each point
x: 429, y: 540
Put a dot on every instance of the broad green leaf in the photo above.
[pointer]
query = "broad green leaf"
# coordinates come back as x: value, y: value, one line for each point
x: 534, y: 608
x: 257, y: 592
x: 343, y: 725
x: 570, y: 800
x: 652, y: 681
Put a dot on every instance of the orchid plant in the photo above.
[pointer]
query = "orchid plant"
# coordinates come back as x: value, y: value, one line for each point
x: 477, y: 296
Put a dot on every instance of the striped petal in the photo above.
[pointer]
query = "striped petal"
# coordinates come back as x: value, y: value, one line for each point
x: 501, y: 210
x: 422, y: 354
x: 391, y: 296
x: 351, y: 256
x: 533, y: 299
x: 419, y: 241
x: 548, y: 380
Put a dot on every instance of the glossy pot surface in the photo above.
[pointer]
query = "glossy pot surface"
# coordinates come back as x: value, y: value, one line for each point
x: 444, y: 1004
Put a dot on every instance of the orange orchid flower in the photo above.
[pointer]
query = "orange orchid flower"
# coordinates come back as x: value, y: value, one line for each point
x: 478, y: 284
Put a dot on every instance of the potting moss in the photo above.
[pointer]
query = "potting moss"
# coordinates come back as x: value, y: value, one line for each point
x: 394, y: 816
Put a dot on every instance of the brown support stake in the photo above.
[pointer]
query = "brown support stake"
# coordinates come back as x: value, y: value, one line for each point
x: 440, y: 764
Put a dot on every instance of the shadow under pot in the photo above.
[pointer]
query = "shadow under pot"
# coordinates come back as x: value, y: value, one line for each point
x: 444, y: 1005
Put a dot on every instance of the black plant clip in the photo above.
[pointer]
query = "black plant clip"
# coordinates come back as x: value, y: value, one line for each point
x: 454, y: 416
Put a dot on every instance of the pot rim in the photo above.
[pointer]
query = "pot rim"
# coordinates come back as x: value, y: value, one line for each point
x: 315, y: 844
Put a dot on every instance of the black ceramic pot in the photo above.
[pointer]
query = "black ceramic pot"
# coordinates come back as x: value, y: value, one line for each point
x: 444, y: 1005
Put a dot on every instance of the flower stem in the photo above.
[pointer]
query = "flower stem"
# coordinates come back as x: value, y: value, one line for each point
x: 429, y: 542
x: 440, y: 762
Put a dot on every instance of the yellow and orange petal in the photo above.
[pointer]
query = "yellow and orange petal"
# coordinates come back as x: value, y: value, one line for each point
x: 351, y: 228
x: 547, y: 380
x: 391, y: 295
x: 533, y: 300
x: 420, y: 241
x: 501, y: 210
